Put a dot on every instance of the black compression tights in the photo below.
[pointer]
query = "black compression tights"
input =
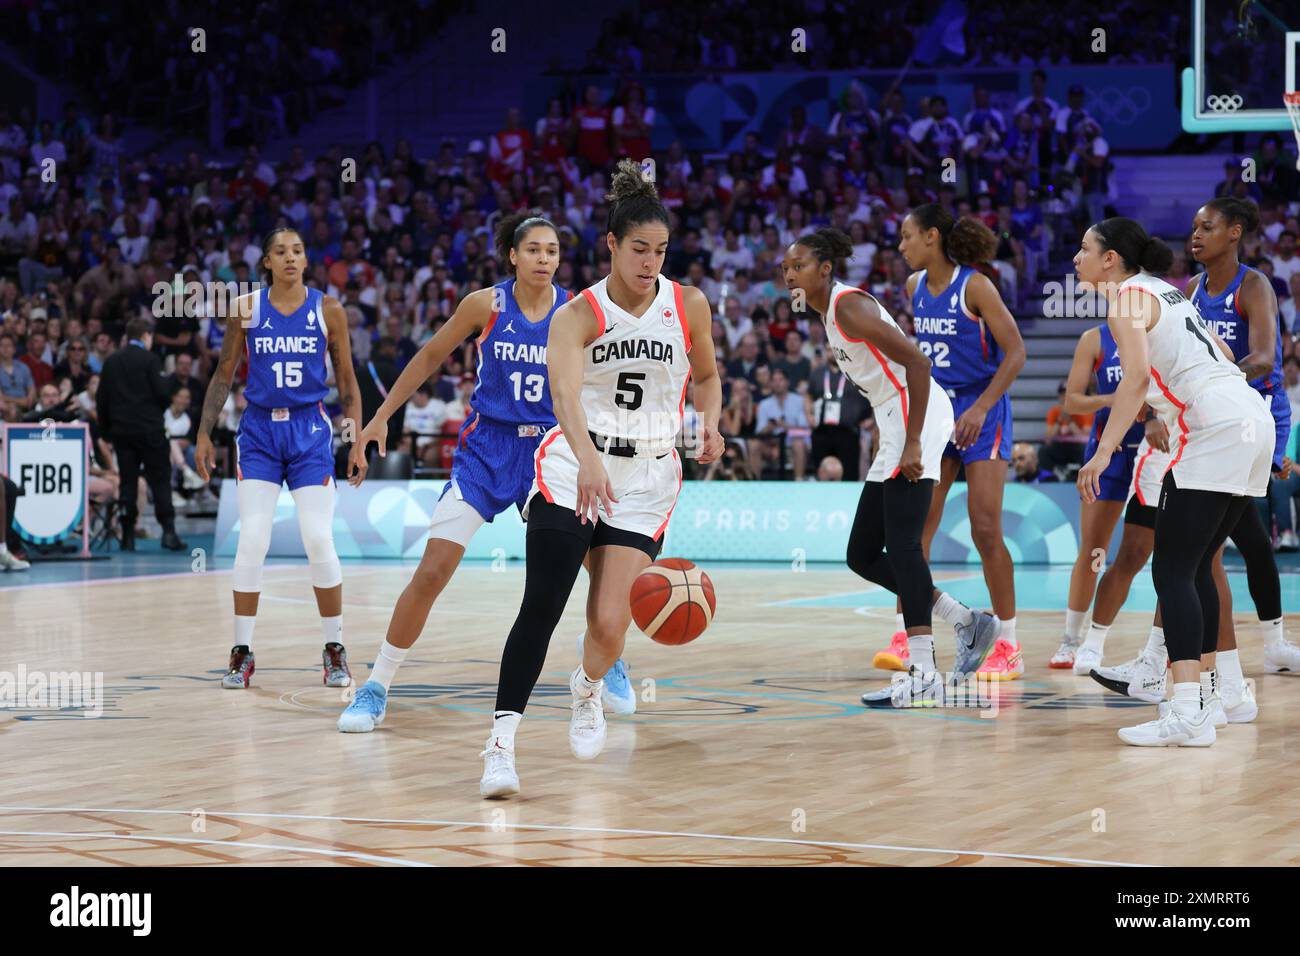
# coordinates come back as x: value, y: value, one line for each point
x: 1256, y: 547
x: 1191, y: 526
x: 885, y: 544
x: 554, y: 559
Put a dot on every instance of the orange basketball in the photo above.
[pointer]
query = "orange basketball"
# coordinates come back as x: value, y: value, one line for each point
x: 672, y: 601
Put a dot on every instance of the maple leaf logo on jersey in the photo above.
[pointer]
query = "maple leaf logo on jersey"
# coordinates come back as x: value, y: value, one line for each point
x: 668, y: 318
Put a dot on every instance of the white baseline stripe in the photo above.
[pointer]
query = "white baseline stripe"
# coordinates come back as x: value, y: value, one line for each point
x: 572, y: 829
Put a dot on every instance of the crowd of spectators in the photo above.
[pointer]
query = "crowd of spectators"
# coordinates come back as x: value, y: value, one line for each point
x: 402, y: 244
x: 737, y: 35
x: 258, y: 68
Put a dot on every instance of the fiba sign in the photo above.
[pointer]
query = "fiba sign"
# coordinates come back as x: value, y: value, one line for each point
x: 48, y: 462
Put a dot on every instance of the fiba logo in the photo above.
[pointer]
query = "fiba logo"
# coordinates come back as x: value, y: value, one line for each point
x: 1224, y: 104
x: 668, y: 318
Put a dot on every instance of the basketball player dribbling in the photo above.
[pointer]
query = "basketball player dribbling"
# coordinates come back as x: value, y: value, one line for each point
x: 975, y: 352
x: 284, y: 330
x: 493, y: 467
x: 1224, y: 439
x: 915, y: 420
x: 607, y: 476
x: 1095, y: 355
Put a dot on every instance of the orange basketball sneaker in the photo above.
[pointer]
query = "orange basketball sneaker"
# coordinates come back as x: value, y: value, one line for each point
x: 897, y: 657
x: 1005, y: 662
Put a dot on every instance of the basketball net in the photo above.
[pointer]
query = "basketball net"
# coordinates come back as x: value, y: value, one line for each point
x: 1292, y: 101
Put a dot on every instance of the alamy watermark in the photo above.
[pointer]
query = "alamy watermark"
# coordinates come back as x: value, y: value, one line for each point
x: 52, y: 690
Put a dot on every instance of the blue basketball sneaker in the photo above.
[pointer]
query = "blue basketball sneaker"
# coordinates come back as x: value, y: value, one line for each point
x: 617, y: 695
x: 366, y: 712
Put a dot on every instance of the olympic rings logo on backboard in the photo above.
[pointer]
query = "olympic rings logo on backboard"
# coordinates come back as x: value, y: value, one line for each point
x: 1224, y: 104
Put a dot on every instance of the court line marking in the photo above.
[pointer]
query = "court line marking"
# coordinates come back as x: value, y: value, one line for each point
x: 92, y: 835
x: 616, y: 831
x: 132, y: 578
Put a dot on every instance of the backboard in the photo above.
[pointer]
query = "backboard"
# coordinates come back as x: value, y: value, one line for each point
x: 1245, y: 55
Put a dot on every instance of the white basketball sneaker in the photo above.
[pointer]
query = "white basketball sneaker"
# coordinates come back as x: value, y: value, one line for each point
x: 1240, y: 708
x: 587, y: 723
x: 1282, y: 658
x: 1172, y: 730
x: 1085, y: 659
x: 499, y: 777
x: 1142, y: 678
x: 1213, y: 706
x: 1064, y: 656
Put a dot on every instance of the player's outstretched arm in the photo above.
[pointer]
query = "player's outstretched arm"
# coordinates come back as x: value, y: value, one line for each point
x: 223, y: 377
x: 470, y: 318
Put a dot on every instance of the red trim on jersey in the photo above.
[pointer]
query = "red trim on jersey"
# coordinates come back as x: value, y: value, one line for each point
x: 663, y: 527
x: 681, y: 316
x: 1137, y: 474
x: 1182, y: 410
x: 595, y: 307
x: 541, y: 453
x: 465, y: 434
x: 997, y: 443
x: 487, y: 329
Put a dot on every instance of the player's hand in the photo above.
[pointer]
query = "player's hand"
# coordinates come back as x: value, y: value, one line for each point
x: 1288, y: 466
x: 712, y: 445
x: 1157, y: 435
x: 1090, y: 475
x: 205, y: 459
x: 376, y: 431
x: 909, y: 464
x: 967, y: 430
x: 594, y: 491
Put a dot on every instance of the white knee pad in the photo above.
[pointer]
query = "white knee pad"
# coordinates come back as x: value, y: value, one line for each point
x: 316, y: 522
x: 455, y: 519
x: 256, y: 516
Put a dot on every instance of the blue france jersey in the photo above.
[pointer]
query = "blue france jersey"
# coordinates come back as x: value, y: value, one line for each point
x: 512, y: 384
x: 286, y: 353
x: 1222, y: 313
x: 1109, y: 375
x: 962, y: 351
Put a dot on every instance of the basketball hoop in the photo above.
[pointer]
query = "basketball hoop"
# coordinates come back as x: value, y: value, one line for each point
x: 1292, y: 101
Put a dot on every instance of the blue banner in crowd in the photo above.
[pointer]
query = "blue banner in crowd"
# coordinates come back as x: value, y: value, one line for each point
x: 1135, y: 104
x: 713, y: 521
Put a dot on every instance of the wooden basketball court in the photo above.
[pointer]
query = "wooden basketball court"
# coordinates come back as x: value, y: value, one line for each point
x: 750, y: 747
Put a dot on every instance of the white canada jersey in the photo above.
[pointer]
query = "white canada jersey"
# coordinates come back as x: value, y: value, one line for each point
x: 879, y: 378
x: 1185, y: 360
x: 634, y: 378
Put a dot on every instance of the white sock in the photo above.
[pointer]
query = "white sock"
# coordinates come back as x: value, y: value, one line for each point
x: 504, y: 725
x: 390, y: 658
x: 1008, y: 632
x: 1228, y: 666
x: 332, y: 628
x: 4, y: 549
x: 952, y: 610
x: 920, y: 649
x: 898, y: 623
x: 1096, y: 640
x: 586, y: 683
x: 244, y: 630
x: 1272, y: 631
x: 1208, y: 685
x: 1187, y: 698
x: 1155, y: 648
x: 1074, y: 621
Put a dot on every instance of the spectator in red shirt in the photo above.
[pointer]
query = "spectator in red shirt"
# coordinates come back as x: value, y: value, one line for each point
x: 592, y: 130
x: 633, y: 122
x: 552, y: 134
x: 509, y: 149
x: 350, y: 266
x: 34, y: 359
